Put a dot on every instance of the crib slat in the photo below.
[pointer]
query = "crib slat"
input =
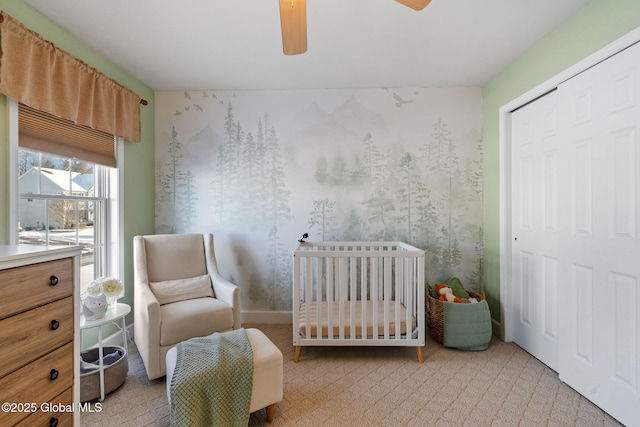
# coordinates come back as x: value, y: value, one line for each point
x: 307, y: 297
x: 342, y: 281
x: 364, y: 297
x: 296, y: 298
x: 387, y: 295
x: 375, y: 295
x: 398, y: 282
x: 330, y: 297
x: 408, y: 287
x: 319, y: 281
x: 420, y: 308
x: 353, y: 290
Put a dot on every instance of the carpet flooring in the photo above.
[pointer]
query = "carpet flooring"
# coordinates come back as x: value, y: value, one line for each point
x: 385, y: 386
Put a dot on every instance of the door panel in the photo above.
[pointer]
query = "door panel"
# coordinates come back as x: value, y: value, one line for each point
x: 535, y: 228
x: 599, y: 339
x: 575, y: 220
x: 622, y: 194
x: 550, y: 297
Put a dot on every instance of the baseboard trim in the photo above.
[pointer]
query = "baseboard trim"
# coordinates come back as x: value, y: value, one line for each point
x: 262, y: 317
x: 496, y: 328
x: 116, y: 338
x: 267, y: 317
x: 259, y: 317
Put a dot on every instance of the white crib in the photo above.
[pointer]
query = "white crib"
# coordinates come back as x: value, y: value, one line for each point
x: 358, y: 294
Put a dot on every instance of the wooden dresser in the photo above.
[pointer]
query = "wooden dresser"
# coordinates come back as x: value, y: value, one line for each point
x: 39, y: 336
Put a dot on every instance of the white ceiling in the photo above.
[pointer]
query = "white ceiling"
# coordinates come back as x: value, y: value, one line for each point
x: 236, y: 44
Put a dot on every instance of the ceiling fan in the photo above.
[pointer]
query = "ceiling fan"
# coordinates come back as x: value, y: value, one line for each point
x: 293, y: 20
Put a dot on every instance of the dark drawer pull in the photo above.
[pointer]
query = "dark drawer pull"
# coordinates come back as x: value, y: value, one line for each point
x: 53, y: 280
x: 53, y: 422
x: 54, y: 324
x: 53, y: 374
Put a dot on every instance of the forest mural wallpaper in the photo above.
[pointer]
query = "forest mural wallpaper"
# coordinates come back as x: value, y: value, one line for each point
x: 260, y: 168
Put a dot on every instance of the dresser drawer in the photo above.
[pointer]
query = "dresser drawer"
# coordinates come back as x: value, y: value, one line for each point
x: 29, y: 335
x: 23, y: 288
x: 38, y: 382
x: 61, y: 418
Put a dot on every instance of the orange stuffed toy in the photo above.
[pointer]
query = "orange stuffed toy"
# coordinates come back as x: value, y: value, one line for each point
x: 446, y: 293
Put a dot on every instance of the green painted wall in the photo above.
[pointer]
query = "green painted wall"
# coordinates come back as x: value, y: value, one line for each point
x: 139, y: 199
x: 596, y: 25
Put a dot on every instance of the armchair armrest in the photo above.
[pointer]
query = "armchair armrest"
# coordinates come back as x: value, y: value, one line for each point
x: 146, y: 301
x: 229, y: 293
x: 147, y: 322
x: 223, y: 289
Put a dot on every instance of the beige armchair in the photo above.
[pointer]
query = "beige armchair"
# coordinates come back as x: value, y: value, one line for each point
x: 178, y: 294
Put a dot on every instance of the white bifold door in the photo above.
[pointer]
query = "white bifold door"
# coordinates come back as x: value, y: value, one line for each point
x: 575, y: 176
x: 535, y: 209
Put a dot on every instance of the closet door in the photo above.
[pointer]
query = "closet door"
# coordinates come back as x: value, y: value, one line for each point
x: 599, y: 270
x: 535, y: 228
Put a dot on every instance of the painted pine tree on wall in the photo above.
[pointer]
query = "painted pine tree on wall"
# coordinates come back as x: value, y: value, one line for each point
x: 278, y: 214
x: 176, y: 190
x: 411, y: 195
x: 250, y: 194
x: 188, y: 200
x: 322, y: 217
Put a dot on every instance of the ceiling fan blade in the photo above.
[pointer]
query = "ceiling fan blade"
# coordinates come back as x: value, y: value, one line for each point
x: 415, y: 4
x: 293, y: 20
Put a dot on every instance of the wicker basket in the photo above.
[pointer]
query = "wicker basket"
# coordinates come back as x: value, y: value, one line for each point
x: 435, y: 317
x: 114, y: 374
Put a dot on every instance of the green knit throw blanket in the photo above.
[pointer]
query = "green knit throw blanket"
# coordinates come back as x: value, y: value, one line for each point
x: 212, y: 381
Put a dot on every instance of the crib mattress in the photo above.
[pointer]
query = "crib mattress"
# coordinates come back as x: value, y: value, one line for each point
x: 313, y: 325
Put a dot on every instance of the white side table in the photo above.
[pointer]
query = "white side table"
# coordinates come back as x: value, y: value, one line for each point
x: 113, y: 315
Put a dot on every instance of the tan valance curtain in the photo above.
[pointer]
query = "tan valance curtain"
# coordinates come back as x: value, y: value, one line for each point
x: 38, y: 74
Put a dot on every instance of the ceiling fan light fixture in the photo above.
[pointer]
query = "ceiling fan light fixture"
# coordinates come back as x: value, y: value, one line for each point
x: 293, y: 20
x: 415, y: 4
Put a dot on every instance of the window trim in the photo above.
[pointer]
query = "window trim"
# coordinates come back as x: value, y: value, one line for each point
x: 114, y: 236
x: 12, y: 105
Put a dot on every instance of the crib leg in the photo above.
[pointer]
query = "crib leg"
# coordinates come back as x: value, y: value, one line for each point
x: 419, y: 351
x: 296, y: 356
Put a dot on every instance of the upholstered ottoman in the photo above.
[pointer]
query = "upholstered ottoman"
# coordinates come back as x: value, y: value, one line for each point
x: 267, y: 373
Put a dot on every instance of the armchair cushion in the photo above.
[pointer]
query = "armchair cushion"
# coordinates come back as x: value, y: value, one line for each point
x: 182, y: 289
x: 193, y: 318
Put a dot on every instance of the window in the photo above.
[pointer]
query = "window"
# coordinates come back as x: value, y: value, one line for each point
x: 63, y: 201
